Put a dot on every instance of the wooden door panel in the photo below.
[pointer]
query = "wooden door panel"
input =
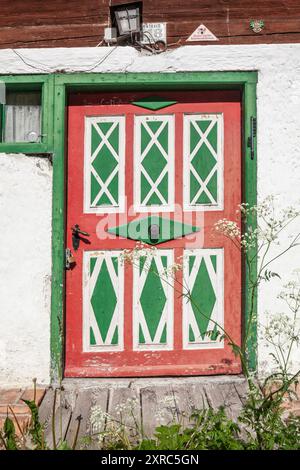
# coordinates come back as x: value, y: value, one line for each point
x: 178, y: 168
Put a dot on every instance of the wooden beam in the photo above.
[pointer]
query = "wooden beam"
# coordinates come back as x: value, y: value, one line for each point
x: 76, y: 23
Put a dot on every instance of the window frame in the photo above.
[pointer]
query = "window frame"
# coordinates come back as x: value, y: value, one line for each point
x: 31, y: 83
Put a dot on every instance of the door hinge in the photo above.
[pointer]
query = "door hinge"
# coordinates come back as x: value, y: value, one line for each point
x: 69, y: 259
x: 253, y: 132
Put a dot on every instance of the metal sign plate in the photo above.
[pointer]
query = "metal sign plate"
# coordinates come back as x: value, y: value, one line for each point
x: 202, y: 33
x: 153, y: 32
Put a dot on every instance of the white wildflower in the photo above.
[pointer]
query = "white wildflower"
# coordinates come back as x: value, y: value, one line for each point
x: 228, y: 228
x: 126, y: 407
x: 98, y: 418
x: 139, y: 251
x: 172, y: 269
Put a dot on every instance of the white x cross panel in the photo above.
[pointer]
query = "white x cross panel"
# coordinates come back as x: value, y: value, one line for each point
x: 163, y: 158
x: 115, y: 202
x: 105, y: 141
x: 191, y: 121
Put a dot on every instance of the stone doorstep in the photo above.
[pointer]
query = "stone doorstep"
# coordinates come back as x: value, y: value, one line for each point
x: 13, y: 398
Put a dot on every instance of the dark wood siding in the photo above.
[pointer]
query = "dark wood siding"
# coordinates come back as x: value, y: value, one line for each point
x: 76, y: 23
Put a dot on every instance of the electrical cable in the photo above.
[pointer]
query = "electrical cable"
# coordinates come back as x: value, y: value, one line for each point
x: 101, y: 60
x: 48, y: 69
x: 28, y: 64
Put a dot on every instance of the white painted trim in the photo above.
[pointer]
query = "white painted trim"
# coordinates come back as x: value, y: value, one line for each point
x: 115, y: 207
x: 189, y: 119
x: 88, y: 318
x: 217, y: 279
x: 168, y: 313
x: 168, y: 120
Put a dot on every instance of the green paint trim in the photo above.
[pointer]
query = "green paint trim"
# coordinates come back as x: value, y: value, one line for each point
x: 156, y: 81
x: 58, y: 235
x: 2, y: 120
x: 58, y: 85
x: 250, y: 196
x: 153, y: 102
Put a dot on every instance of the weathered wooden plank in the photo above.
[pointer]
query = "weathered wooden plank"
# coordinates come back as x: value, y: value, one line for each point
x: 32, y: 36
x: 76, y: 11
x: 232, y: 402
x: 97, y: 416
x: 45, y: 408
x: 224, y: 394
x: 63, y: 413
x: 242, y: 390
x: 188, y: 398
x: 56, y: 12
x: 158, y: 407
x: 76, y: 23
x: 198, y: 395
x: 82, y: 410
x: 124, y: 409
x: 261, y: 39
x: 122, y: 399
x: 240, y: 27
x: 214, y: 395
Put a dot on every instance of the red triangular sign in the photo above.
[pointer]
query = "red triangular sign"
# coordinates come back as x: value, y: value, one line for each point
x: 202, y: 33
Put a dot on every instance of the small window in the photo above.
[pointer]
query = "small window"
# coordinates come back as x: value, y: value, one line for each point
x: 21, y: 117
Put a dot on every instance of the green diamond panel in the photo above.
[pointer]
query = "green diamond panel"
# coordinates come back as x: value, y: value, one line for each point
x: 139, y: 229
x: 204, y: 298
x: 103, y: 300
x: 152, y: 306
x: 202, y: 271
x: 153, y: 301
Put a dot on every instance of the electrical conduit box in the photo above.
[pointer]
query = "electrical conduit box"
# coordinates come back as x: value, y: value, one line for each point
x: 110, y: 35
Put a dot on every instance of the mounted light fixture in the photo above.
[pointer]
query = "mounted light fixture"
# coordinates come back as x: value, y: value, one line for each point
x: 127, y: 18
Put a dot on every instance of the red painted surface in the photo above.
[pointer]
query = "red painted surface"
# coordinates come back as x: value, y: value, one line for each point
x: 146, y: 363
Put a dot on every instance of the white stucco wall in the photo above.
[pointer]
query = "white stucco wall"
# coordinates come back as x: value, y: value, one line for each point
x: 278, y: 103
x: 25, y: 269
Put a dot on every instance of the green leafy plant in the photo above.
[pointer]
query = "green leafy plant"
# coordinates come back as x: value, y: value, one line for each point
x: 8, y: 437
x: 36, y: 429
x: 209, y: 429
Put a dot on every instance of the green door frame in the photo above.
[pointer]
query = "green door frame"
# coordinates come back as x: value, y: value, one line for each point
x: 55, y: 89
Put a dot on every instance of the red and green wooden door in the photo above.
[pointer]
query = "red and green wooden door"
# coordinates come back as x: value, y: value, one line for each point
x: 158, y: 170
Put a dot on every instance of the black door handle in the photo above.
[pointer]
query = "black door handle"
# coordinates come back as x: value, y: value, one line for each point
x: 76, y: 232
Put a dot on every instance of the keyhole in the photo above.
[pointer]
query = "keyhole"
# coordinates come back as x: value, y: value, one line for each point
x: 154, y: 233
